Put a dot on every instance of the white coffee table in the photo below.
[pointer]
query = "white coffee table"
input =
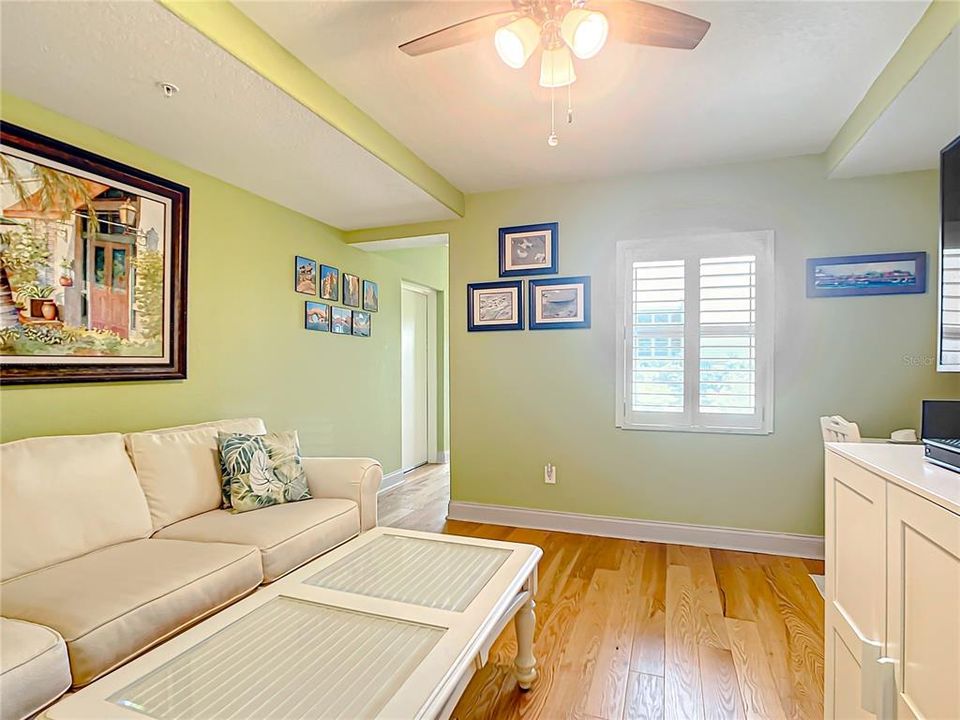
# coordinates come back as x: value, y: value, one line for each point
x: 392, y: 624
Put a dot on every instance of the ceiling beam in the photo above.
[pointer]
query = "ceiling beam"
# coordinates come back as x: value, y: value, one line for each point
x: 939, y: 20
x: 229, y: 28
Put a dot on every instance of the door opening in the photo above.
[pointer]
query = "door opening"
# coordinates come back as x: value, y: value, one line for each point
x: 418, y: 358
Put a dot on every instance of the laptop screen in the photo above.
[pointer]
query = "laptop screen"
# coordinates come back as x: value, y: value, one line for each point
x: 941, y: 419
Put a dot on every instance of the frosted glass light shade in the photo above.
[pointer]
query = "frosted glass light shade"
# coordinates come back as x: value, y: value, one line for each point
x: 556, y: 68
x: 585, y: 31
x: 516, y: 42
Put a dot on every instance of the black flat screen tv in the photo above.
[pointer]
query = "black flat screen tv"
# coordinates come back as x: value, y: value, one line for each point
x: 948, y: 340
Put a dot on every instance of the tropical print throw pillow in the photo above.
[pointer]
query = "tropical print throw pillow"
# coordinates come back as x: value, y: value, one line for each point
x: 261, y: 470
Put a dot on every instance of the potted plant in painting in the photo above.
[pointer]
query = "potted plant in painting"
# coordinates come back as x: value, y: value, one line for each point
x: 66, y: 273
x: 36, y: 299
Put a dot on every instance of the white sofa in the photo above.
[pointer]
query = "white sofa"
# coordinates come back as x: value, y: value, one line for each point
x: 113, y: 543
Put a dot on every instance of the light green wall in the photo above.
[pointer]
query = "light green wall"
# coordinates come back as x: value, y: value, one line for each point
x: 522, y: 399
x: 248, y: 351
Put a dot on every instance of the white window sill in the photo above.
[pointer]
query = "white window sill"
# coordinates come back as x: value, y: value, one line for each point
x: 703, y: 430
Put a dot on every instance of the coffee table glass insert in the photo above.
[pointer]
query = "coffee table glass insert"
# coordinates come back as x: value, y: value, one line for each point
x: 431, y: 573
x: 285, y: 660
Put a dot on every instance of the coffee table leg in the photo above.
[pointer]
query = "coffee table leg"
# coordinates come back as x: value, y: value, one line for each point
x: 526, y: 664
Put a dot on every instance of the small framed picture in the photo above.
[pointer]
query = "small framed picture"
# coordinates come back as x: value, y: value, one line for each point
x: 342, y: 320
x: 361, y: 323
x: 560, y: 303
x: 305, y: 276
x: 371, y: 296
x: 316, y: 316
x: 351, y: 290
x: 884, y: 274
x: 329, y: 283
x: 529, y: 249
x: 495, y: 306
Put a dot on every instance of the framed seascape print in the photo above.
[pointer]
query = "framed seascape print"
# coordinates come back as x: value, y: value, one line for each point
x: 529, y: 249
x: 560, y: 303
x: 342, y: 320
x: 371, y: 296
x: 885, y: 274
x: 305, y: 275
x: 495, y: 306
x: 351, y: 290
x: 361, y: 323
x: 93, y: 266
x: 329, y: 283
x: 316, y: 316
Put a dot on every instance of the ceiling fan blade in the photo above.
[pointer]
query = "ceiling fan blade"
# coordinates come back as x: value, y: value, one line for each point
x: 467, y: 31
x: 643, y: 23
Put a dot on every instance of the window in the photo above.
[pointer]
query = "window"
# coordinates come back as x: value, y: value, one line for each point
x: 695, y: 333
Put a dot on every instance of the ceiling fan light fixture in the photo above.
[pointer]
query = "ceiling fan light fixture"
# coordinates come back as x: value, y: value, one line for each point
x: 585, y: 31
x: 556, y: 68
x: 516, y: 42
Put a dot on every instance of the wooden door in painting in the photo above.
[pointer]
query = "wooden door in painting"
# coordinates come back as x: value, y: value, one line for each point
x: 110, y: 287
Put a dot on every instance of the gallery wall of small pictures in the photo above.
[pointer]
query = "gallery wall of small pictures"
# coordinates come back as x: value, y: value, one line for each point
x: 350, y: 299
x: 556, y: 303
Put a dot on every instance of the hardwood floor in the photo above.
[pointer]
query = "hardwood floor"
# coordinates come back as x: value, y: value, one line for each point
x: 635, y: 630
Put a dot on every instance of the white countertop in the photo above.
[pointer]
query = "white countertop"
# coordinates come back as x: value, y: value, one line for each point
x: 905, y: 466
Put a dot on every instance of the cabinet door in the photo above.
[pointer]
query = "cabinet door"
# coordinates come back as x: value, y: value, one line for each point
x: 855, y: 502
x: 923, y: 605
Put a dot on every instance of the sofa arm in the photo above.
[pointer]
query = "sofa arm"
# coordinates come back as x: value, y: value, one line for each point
x: 356, y: 479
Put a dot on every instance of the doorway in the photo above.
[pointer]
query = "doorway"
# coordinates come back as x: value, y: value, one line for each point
x: 418, y: 375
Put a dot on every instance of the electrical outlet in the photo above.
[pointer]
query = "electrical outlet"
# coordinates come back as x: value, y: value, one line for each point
x: 550, y: 474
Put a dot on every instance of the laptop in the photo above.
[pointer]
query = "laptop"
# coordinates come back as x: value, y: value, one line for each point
x: 940, y: 432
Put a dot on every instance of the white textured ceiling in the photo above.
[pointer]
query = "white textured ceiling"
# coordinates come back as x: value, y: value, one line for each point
x: 922, y: 120
x: 99, y: 62
x: 770, y: 79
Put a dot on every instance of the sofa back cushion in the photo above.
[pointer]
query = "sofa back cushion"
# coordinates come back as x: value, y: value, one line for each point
x: 62, y: 497
x: 179, y: 468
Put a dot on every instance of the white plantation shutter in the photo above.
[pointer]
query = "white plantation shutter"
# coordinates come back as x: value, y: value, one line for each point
x: 695, y: 339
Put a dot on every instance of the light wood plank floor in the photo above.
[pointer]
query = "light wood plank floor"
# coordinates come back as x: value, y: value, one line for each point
x: 629, y: 630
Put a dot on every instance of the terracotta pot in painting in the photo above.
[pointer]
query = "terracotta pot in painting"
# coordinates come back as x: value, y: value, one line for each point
x: 49, y: 310
x: 66, y: 281
x: 36, y: 307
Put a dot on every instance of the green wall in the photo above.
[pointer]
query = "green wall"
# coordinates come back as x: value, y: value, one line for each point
x: 522, y: 399
x: 248, y: 351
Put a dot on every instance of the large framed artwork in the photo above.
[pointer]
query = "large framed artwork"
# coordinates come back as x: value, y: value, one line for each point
x: 529, y: 249
x: 93, y: 266
x: 495, y: 306
x: 883, y: 274
x: 560, y: 303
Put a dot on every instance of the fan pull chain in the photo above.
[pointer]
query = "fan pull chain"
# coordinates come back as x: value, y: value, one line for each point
x: 570, y: 104
x: 552, y: 138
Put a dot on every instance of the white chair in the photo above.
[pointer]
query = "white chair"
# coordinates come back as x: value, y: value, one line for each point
x: 837, y: 429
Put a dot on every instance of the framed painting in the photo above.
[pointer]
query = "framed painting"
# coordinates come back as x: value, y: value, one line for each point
x: 316, y: 316
x: 329, y: 283
x: 342, y: 320
x: 495, y: 306
x: 529, y: 249
x: 361, y: 323
x: 93, y: 266
x: 560, y: 303
x: 351, y: 290
x: 371, y: 296
x: 305, y: 275
x: 884, y: 274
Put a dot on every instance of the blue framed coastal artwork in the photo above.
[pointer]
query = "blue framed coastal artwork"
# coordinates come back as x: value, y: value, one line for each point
x: 529, y: 249
x: 883, y: 274
x: 560, y: 303
x: 495, y: 306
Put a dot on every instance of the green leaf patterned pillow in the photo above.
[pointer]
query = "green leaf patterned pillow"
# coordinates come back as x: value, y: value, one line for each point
x: 261, y: 470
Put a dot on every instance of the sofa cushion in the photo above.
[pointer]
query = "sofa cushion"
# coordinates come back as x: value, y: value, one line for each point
x: 34, y: 670
x: 179, y: 468
x: 62, y: 497
x: 288, y: 535
x: 262, y: 470
x: 113, y: 604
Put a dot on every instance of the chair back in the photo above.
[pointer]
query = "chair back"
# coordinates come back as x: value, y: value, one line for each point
x: 838, y: 429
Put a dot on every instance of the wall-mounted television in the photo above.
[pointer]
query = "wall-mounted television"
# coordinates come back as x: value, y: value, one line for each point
x: 948, y: 327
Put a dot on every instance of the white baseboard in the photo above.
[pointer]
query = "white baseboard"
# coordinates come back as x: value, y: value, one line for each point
x: 759, y: 541
x: 390, y: 481
x: 443, y: 456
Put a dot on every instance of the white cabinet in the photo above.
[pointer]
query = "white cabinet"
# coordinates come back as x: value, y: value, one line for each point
x: 892, y: 630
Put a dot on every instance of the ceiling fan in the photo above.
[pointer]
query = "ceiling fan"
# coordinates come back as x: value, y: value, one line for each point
x: 562, y: 27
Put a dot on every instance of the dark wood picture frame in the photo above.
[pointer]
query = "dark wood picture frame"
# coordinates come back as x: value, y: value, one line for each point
x: 175, y: 337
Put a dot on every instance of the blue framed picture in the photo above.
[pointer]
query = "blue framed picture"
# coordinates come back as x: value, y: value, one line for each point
x: 305, y: 275
x: 361, y: 323
x: 560, y: 303
x: 883, y: 274
x: 316, y: 316
x: 529, y: 249
x: 495, y: 306
x: 329, y: 283
x: 342, y: 321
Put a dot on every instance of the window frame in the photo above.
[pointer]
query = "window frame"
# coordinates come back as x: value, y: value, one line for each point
x: 691, y: 249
